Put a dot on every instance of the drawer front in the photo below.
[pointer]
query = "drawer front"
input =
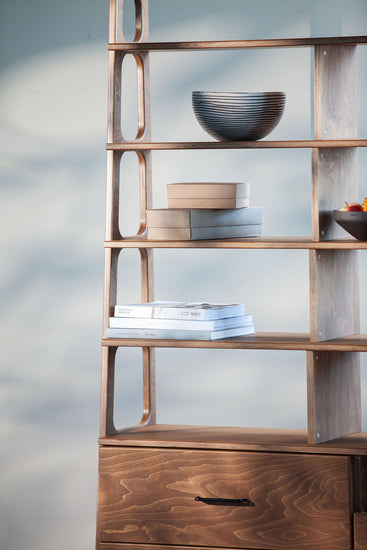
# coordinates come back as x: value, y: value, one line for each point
x: 296, y: 501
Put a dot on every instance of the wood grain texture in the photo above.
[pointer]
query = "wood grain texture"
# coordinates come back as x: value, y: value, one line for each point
x: 107, y: 426
x: 262, y: 144
x: 360, y: 484
x: 335, y: 182
x: 360, y: 531
x: 296, y: 243
x: 334, y: 296
x: 333, y: 395
x: 260, y: 340
x: 147, y: 496
x: 113, y: 195
x: 241, y: 439
x: 335, y: 92
x: 145, y: 187
x: 129, y: 546
x: 110, y: 285
x: 239, y: 44
x: 334, y: 171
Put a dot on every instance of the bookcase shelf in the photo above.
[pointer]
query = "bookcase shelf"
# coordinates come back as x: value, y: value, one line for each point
x: 260, y: 340
x: 144, y: 468
x: 284, y: 144
x: 233, y: 438
x: 296, y: 243
x: 147, y: 46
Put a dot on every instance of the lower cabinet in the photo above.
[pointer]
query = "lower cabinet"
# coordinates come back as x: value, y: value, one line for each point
x: 152, y: 497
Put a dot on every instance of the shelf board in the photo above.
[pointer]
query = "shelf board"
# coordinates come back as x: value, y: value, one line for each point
x: 298, y: 243
x: 229, y: 438
x: 261, y: 341
x: 139, y: 145
x: 237, y: 44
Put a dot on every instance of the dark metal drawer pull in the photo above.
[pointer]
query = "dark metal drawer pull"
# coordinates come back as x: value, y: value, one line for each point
x: 226, y: 501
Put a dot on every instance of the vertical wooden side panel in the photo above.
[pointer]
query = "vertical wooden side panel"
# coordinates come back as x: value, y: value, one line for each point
x: 335, y: 91
x: 112, y: 21
x: 334, y: 296
x: 334, y: 281
x: 334, y: 170
x: 142, y: 21
x: 146, y: 202
x: 110, y: 285
x: 149, y: 363
x: 334, y: 401
x: 119, y: 35
x: 143, y: 88
x: 113, y: 196
x: 334, y: 395
x: 335, y: 182
x: 149, y: 415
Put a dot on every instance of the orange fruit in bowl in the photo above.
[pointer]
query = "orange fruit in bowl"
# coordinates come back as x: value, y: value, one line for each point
x: 365, y: 205
x: 353, y: 207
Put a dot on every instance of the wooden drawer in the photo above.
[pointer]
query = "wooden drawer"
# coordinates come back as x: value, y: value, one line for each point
x: 147, y: 496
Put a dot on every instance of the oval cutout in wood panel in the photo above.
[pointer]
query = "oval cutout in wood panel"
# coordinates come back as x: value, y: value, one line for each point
x: 128, y: 395
x: 129, y: 209
x: 129, y: 20
x: 129, y: 94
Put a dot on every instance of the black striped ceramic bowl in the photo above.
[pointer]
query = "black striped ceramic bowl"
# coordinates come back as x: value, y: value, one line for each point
x: 238, y: 116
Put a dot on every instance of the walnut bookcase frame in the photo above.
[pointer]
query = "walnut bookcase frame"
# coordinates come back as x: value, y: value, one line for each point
x: 334, y: 342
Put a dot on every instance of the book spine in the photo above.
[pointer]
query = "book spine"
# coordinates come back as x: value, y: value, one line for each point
x: 180, y: 324
x: 208, y: 190
x: 179, y: 334
x: 168, y: 218
x: 204, y: 203
x: 226, y: 232
x: 230, y: 216
x: 197, y: 233
x: 169, y: 233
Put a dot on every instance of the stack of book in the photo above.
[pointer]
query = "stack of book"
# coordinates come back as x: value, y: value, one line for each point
x: 205, y: 211
x: 180, y: 321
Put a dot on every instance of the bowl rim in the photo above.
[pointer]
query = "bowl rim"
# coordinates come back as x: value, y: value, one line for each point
x: 349, y: 213
x: 238, y: 92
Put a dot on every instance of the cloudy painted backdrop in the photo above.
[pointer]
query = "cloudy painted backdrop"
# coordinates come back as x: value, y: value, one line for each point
x: 53, y: 100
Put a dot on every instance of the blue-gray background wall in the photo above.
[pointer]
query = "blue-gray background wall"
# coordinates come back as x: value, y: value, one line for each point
x: 53, y: 103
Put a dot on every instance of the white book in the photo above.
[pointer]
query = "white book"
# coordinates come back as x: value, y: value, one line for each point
x: 171, y: 334
x: 172, y: 217
x: 179, y: 310
x: 180, y: 324
x: 200, y: 233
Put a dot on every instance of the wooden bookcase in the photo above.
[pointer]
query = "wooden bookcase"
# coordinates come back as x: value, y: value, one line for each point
x: 302, y: 489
